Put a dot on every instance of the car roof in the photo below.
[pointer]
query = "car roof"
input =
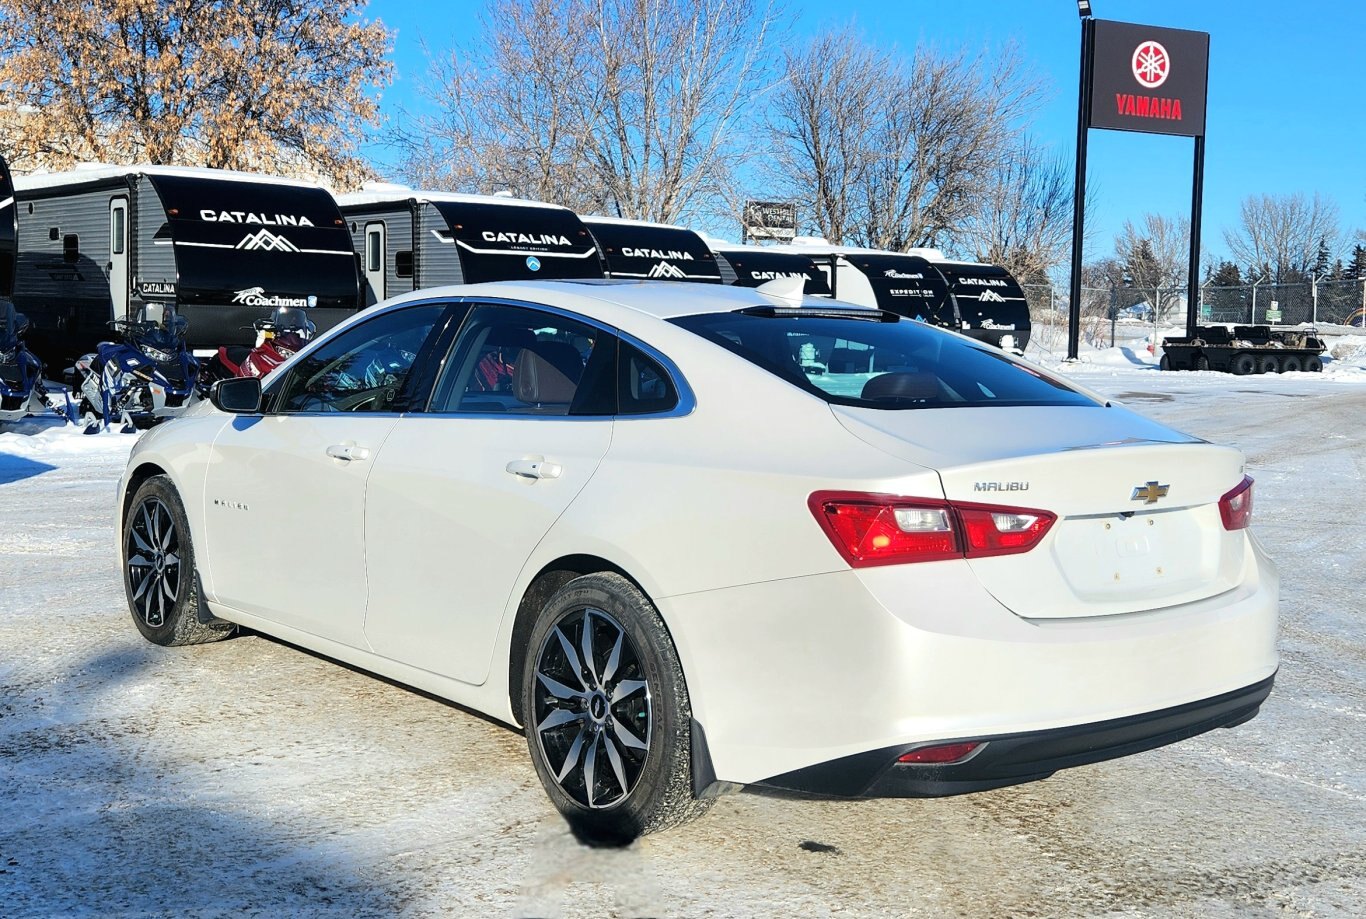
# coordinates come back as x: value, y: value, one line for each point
x: 598, y: 298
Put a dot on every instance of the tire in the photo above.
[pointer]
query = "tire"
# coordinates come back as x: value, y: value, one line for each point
x: 1269, y: 363
x: 612, y: 782
x: 1165, y: 363
x: 1313, y: 364
x: 1202, y: 363
x: 159, y: 576
x: 1291, y: 364
x: 1243, y: 364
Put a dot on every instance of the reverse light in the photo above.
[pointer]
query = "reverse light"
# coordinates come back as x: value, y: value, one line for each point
x: 1236, y: 507
x: 870, y: 529
x: 944, y: 753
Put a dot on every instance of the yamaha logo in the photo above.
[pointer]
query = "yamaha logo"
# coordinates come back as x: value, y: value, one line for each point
x: 1151, y: 65
x: 266, y: 241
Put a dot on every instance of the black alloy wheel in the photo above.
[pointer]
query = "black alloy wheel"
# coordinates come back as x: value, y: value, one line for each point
x: 153, y: 566
x: 159, y: 571
x: 592, y: 717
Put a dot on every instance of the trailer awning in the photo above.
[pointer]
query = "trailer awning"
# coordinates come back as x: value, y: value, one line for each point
x: 650, y: 251
x: 517, y: 242
x: 758, y: 266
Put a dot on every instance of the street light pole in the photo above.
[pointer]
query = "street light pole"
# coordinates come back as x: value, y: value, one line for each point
x: 1253, y: 320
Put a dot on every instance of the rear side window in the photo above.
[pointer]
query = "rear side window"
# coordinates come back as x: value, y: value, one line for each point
x: 643, y: 386
x: 884, y: 365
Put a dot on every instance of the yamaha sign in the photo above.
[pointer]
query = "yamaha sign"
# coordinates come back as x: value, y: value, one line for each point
x: 1149, y: 79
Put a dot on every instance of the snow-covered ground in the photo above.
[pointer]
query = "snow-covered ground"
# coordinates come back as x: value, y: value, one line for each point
x: 251, y: 778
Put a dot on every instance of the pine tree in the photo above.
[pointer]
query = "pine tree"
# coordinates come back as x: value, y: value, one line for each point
x: 1356, y: 269
x: 1323, y: 260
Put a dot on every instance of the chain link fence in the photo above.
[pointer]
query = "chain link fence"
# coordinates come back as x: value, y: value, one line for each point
x: 1102, y: 308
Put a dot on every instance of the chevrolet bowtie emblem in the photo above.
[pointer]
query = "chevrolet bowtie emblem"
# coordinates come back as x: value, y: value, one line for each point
x: 1149, y: 493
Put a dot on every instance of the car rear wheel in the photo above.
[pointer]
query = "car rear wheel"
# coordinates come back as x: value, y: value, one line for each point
x: 607, y: 716
x: 159, y: 571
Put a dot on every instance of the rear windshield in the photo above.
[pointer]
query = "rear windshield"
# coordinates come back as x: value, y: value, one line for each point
x: 886, y: 365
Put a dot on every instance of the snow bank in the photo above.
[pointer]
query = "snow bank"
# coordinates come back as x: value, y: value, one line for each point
x: 49, y: 437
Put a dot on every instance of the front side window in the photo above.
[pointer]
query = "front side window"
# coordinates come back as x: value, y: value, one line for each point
x: 365, y: 369
x: 513, y: 360
x: 878, y: 364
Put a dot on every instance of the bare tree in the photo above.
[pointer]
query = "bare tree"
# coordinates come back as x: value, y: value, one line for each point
x: 631, y: 106
x: 1156, y: 255
x: 896, y: 153
x: 276, y: 84
x: 1279, y: 235
x: 1023, y: 219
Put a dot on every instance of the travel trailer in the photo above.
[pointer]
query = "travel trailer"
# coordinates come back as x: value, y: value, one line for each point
x: 653, y: 251
x: 409, y: 240
x: 981, y: 301
x: 100, y: 243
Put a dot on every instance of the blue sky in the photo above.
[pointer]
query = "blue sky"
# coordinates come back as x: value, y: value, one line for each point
x: 1287, y: 93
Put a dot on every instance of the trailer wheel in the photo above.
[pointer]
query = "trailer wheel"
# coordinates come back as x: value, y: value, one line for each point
x: 1313, y: 364
x: 1202, y: 363
x: 1165, y: 363
x: 1243, y: 364
x: 1269, y: 363
x: 1291, y: 364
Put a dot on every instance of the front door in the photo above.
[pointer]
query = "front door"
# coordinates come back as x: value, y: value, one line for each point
x: 376, y: 263
x: 285, y: 491
x: 117, y: 267
x: 461, y: 495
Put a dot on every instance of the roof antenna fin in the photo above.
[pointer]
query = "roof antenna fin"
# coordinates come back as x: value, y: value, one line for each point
x: 790, y: 290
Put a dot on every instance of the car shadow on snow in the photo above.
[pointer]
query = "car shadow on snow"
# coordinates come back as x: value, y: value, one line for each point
x: 111, y: 805
x: 17, y: 468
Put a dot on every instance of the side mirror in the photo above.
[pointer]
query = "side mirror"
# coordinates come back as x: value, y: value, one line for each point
x: 238, y: 396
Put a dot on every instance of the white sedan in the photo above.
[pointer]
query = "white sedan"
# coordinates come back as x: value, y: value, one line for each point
x: 696, y: 537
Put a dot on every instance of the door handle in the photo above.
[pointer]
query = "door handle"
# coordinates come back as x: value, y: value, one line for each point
x: 535, y: 469
x: 348, y: 453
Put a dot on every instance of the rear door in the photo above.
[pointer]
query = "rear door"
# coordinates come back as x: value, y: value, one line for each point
x: 284, y: 502
x: 461, y: 494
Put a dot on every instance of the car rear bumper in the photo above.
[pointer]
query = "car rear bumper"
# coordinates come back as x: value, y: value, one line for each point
x: 1011, y: 759
x: 788, y: 675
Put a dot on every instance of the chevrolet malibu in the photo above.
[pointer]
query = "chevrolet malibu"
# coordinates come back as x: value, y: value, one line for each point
x: 695, y: 537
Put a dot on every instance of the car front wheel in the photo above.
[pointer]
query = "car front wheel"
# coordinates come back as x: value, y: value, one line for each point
x: 159, y: 572
x: 607, y: 714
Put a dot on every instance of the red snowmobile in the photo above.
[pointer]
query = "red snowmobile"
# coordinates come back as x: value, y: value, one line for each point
x: 278, y: 338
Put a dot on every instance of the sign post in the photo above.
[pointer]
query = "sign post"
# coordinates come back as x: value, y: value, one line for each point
x: 1148, y: 79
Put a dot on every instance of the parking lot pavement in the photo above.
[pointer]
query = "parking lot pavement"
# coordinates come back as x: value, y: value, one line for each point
x: 252, y: 778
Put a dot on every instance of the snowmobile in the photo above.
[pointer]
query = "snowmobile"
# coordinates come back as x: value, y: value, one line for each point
x: 22, y: 390
x: 278, y: 338
x: 143, y: 377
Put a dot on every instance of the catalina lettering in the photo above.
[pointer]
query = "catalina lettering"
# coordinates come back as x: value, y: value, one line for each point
x: 673, y: 254
x: 269, y: 220
x: 526, y: 239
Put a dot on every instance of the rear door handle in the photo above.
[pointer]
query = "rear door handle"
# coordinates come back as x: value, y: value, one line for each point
x: 535, y: 469
x: 348, y: 452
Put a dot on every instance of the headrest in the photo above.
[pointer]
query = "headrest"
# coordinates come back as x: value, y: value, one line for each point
x: 509, y: 336
x: 902, y: 387
x: 547, y: 372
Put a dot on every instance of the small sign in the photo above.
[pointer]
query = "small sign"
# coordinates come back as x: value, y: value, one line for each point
x: 1273, y: 315
x: 770, y: 220
x: 1148, y: 79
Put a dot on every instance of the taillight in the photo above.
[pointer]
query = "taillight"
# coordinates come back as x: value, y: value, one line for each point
x: 889, y: 530
x: 1236, y: 506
